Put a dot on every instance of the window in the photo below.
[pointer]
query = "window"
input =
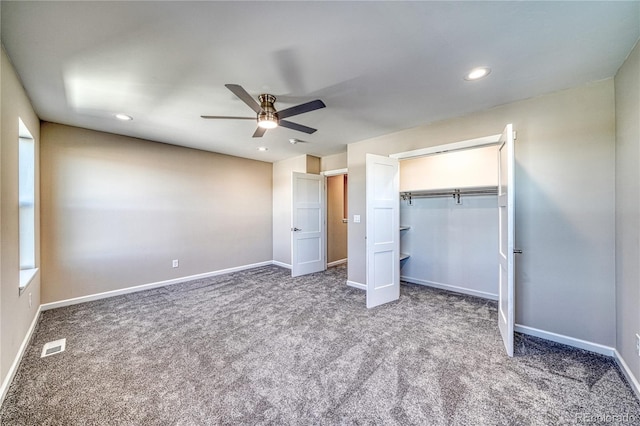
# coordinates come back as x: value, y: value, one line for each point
x: 26, y: 203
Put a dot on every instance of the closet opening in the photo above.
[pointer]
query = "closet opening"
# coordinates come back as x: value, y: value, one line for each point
x: 452, y: 233
x: 449, y: 230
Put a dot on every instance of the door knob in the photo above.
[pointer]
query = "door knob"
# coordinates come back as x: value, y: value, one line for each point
x: 296, y: 229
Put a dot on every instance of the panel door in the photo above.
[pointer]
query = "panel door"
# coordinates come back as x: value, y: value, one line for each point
x: 383, y: 230
x: 308, y: 235
x: 506, y: 199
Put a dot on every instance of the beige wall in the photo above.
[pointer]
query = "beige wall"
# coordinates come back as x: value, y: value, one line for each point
x: 336, y: 228
x: 627, y: 86
x: 313, y: 164
x: 459, y: 169
x: 564, y: 203
x: 334, y: 162
x: 282, y: 202
x: 15, y: 314
x: 117, y: 210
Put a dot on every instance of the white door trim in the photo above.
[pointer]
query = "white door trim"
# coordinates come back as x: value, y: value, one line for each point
x: 335, y: 172
x: 453, y: 146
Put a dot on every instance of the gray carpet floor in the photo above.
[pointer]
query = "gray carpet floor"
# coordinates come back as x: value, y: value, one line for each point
x: 260, y: 347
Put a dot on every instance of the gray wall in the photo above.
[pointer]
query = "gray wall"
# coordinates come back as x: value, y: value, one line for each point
x: 564, y: 203
x: 451, y: 246
x: 627, y: 83
x: 117, y: 210
x: 15, y: 313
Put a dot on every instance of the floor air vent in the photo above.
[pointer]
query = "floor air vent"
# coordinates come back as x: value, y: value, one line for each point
x: 53, y: 348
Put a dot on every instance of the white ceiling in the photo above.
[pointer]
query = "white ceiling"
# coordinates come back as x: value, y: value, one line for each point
x: 379, y: 66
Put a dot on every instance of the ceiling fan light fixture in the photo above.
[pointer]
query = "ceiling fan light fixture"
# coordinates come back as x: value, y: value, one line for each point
x: 267, y: 117
x: 267, y: 120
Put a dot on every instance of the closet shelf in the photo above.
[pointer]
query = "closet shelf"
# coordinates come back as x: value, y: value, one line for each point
x: 404, y: 256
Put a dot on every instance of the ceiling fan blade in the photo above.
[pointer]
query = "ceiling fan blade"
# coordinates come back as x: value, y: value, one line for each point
x: 244, y: 96
x: 226, y: 117
x: 260, y: 131
x: 301, y: 109
x: 296, y: 126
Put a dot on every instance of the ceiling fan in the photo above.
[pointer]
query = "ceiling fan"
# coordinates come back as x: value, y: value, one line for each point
x: 267, y: 116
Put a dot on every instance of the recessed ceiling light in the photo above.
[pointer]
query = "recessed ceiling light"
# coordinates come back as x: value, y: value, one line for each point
x: 124, y: 117
x: 263, y: 148
x: 477, y: 73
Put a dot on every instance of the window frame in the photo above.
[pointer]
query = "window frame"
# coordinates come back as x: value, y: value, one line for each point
x: 26, y: 206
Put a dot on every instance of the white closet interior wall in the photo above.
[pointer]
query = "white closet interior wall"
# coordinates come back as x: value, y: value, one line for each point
x: 451, y: 246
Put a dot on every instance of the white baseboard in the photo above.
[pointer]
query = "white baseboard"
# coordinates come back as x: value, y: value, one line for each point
x: 356, y: 285
x: 566, y: 340
x: 106, y: 294
x: 449, y: 287
x: 633, y: 381
x: 281, y: 264
x: 336, y: 263
x: 16, y: 362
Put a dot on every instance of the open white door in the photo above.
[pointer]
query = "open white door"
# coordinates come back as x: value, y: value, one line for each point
x: 383, y: 230
x: 307, y: 224
x: 506, y: 197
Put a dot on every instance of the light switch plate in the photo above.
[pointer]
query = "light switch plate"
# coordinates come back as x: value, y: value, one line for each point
x: 356, y: 218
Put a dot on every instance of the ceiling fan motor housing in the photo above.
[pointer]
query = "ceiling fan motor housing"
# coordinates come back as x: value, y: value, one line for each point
x: 268, y: 117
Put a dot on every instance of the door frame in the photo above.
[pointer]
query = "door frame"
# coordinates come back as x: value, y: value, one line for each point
x: 449, y: 147
x: 326, y: 174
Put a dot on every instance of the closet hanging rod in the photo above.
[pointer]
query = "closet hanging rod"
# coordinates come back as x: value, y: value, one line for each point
x: 486, y: 190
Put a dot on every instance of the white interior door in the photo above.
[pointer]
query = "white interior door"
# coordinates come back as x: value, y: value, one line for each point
x: 506, y: 197
x: 307, y: 224
x: 383, y: 230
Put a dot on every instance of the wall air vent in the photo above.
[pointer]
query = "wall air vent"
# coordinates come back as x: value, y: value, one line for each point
x: 53, y: 348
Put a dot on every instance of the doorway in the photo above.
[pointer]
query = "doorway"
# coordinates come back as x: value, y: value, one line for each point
x: 337, y: 222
